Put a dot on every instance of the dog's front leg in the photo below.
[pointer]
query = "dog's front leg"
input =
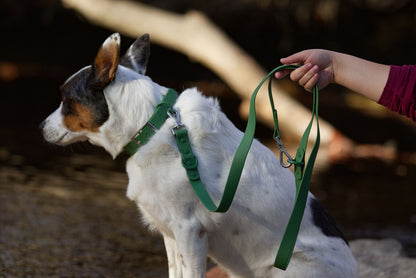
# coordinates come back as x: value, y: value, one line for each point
x: 192, y: 243
x: 174, y: 261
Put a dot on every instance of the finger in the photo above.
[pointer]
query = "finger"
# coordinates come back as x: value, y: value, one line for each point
x: 281, y: 74
x: 308, y: 75
x: 298, y: 73
x: 297, y: 58
x: 311, y: 82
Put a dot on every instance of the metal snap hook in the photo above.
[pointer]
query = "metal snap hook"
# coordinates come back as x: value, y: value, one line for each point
x: 283, y: 153
x: 174, y: 114
x: 289, y: 158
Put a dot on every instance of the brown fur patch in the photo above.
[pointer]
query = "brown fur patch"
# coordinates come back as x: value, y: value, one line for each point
x: 106, y: 62
x: 80, y: 119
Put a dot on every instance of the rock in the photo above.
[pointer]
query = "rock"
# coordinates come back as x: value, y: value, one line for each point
x: 382, y: 259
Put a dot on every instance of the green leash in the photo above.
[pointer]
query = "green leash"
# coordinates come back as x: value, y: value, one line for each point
x: 302, y: 174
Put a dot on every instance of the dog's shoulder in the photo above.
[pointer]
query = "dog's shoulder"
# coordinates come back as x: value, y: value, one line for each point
x: 194, y: 101
x: 199, y: 113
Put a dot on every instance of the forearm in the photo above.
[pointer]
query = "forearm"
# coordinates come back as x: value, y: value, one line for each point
x: 359, y: 75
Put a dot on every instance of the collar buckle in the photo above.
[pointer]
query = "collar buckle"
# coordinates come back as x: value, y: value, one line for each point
x: 136, y: 136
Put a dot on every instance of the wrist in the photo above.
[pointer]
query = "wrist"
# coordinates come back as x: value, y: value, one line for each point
x: 336, y: 67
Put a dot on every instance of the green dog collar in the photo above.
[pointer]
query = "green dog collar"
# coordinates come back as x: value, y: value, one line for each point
x: 153, y: 124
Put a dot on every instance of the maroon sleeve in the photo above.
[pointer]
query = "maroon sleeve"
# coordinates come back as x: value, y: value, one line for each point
x: 399, y: 94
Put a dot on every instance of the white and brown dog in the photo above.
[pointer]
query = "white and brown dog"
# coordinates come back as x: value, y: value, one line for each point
x: 109, y: 102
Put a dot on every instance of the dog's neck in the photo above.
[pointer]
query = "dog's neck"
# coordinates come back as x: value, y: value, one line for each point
x: 163, y: 110
x: 132, y: 99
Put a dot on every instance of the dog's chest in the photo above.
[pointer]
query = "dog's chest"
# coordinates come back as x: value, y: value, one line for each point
x: 160, y: 189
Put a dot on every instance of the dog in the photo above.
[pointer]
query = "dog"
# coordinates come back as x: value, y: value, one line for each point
x: 108, y: 102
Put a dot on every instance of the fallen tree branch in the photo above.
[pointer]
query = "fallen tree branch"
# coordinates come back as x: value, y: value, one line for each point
x: 195, y: 36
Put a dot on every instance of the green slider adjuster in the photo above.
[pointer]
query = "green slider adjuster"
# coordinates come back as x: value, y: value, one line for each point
x: 189, y: 161
x: 153, y: 124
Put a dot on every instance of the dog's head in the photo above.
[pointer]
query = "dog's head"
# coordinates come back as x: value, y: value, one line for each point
x: 93, y: 96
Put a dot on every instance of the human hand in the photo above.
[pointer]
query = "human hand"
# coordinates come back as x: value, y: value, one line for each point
x: 317, y: 67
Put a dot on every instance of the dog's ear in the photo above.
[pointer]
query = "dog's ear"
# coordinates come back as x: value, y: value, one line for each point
x: 137, y: 55
x: 106, y: 61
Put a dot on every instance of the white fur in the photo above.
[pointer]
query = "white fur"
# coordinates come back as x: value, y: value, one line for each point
x: 111, y: 39
x: 244, y: 240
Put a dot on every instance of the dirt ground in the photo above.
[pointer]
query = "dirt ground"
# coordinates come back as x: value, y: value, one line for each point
x: 68, y: 216
x: 72, y: 220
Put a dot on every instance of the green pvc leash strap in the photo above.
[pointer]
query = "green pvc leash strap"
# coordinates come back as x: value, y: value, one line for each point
x: 303, y: 177
x: 302, y: 174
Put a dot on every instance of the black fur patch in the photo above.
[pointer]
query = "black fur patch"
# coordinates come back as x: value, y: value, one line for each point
x: 137, y: 56
x: 81, y: 89
x: 324, y: 221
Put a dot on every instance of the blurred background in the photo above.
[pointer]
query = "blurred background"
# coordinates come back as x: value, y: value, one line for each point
x: 63, y: 210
